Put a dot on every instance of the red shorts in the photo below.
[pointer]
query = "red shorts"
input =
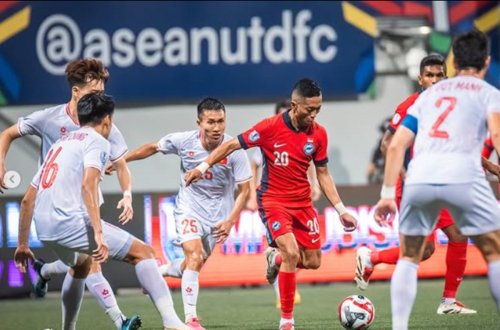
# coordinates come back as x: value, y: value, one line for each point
x: 303, y: 223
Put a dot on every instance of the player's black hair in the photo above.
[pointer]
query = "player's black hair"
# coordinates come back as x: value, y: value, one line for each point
x: 432, y: 59
x: 307, y: 88
x: 93, y: 107
x: 282, y: 104
x: 471, y: 50
x: 210, y: 103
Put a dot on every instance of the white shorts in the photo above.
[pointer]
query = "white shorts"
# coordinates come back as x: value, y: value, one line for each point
x: 69, y: 248
x: 191, y: 227
x: 472, y: 205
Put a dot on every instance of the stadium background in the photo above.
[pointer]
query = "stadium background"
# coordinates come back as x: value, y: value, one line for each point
x: 164, y: 57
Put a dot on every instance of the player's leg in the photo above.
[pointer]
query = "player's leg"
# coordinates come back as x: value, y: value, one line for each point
x: 100, y: 288
x: 489, y: 244
x: 194, y: 254
x: 174, y: 268
x: 456, y: 260
x: 45, y: 271
x: 125, y: 247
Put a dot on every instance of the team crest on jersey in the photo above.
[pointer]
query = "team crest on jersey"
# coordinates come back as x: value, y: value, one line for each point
x: 104, y: 158
x: 190, y: 154
x: 254, y: 136
x: 309, y: 149
x: 63, y: 131
x: 276, y: 225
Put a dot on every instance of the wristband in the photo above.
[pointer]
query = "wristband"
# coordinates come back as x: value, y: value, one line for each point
x: 388, y: 192
x: 127, y: 193
x: 340, y: 208
x: 203, y: 167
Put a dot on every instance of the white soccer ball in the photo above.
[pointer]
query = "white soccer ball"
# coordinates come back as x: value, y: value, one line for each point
x: 356, y: 312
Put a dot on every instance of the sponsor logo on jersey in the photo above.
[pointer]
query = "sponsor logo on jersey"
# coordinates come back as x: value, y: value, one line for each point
x: 254, y: 136
x: 276, y: 225
x: 309, y: 149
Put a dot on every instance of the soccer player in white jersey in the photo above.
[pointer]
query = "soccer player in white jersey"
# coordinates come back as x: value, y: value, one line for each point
x: 206, y: 211
x: 449, y: 122
x: 84, y: 76
x: 66, y: 215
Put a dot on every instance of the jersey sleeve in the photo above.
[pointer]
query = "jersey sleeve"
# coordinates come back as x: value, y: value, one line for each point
x: 320, y: 157
x: 170, y: 143
x: 397, y: 118
x: 96, y: 153
x: 118, y: 145
x: 32, y: 124
x: 492, y: 100
x: 256, y: 135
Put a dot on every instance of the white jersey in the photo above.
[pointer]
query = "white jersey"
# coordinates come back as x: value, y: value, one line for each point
x: 452, y: 126
x: 212, y: 197
x: 53, y: 123
x: 59, y: 209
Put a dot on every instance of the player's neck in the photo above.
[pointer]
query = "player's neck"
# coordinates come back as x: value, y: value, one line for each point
x: 72, y: 111
x: 210, y: 145
x: 472, y: 72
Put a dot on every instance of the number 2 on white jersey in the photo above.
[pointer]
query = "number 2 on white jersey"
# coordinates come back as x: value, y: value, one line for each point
x: 435, y: 132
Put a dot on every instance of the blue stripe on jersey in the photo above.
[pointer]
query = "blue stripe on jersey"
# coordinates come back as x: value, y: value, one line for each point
x: 411, y: 123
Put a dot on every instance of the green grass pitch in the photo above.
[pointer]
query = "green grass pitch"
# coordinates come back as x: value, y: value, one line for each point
x: 254, y: 308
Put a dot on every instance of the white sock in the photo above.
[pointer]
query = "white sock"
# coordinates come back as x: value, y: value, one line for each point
x: 53, y: 268
x: 72, y: 296
x: 150, y: 278
x: 276, y: 287
x: 172, y: 269
x: 282, y: 320
x: 494, y: 276
x: 102, y: 291
x: 190, y: 289
x: 403, y: 293
x: 448, y: 301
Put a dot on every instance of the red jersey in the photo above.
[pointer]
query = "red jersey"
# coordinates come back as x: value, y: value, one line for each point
x: 401, y: 111
x: 287, y: 154
x: 487, y: 148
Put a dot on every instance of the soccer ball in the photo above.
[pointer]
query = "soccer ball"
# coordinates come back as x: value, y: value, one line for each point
x: 356, y: 312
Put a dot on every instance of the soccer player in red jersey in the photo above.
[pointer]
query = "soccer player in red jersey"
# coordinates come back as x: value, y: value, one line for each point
x: 432, y: 70
x: 289, y: 142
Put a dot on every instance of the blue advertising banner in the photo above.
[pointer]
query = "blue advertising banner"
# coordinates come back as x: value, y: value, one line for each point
x: 178, y: 51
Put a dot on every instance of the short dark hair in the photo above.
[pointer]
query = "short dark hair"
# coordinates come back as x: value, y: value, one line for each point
x: 471, y: 50
x: 432, y: 59
x: 307, y: 88
x: 210, y: 103
x: 282, y: 104
x: 81, y: 71
x: 94, y: 107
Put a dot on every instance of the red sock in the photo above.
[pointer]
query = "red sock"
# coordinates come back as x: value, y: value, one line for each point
x: 387, y: 256
x: 287, y: 283
x: 456, y: 259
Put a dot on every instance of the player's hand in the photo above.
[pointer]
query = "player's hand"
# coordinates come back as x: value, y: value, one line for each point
x: 385, y: 211
x: 128, y: 212
x: 22, y: 256
x: 109, y: 169
x: 221, y: 230
x: 192, y: 176
x: 348, y: 222
x: 100, y: 254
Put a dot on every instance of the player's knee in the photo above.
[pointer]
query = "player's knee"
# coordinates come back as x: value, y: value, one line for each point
x: 194, y: 260
x: 428, y: 251
x: 291, y: 257
x: 312, y: 263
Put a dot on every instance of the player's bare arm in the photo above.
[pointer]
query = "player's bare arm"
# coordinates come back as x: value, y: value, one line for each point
x: 216, y: 156
x: 490, y: 167
x: 125, y: 180
x: 386, y: 207
x: 329, y: 189
x: 386, y: 141
x: 222, y: 229
x: 91, y: 178
x: 23, y: 254
x: 313, y: 182
x: 252, y: 196
x: 6, y: 138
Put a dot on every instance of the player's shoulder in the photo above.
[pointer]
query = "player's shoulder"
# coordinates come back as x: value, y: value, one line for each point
x: 408, y: 102
x: 318, y: 129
